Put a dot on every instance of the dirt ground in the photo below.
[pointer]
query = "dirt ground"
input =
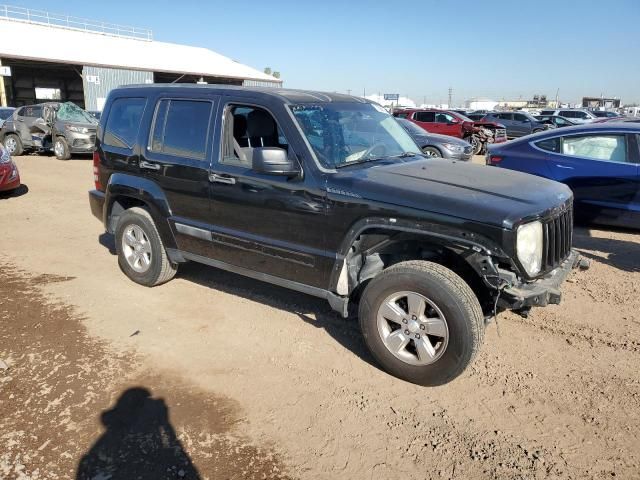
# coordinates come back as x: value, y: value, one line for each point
x: 217, y: 376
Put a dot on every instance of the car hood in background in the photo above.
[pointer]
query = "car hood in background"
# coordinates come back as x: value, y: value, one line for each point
x: 477, y: 193
x: 437, y: 138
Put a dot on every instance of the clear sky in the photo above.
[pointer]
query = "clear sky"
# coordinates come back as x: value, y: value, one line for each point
x: 494, y: 48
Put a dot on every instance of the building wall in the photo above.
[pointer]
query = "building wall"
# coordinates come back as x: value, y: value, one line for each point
x: 481, y: 104
x: 99, y: 81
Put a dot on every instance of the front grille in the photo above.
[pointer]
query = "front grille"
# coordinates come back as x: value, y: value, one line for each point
x: 557, y: 236
x: 501, y: 133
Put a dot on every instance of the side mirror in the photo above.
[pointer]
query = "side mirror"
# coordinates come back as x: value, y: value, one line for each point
x: 274, y: 161
x: 453, y: 121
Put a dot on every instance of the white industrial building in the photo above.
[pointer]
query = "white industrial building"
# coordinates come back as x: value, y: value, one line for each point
x: 480, y: 104
x: 56, y: 57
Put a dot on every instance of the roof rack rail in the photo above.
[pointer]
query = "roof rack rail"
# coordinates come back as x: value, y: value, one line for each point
x: 41, y: 17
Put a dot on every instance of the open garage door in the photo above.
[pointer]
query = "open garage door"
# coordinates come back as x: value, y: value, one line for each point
x: 34, y: 82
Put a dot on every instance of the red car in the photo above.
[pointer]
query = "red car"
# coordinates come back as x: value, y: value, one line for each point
x: 447, y: 122
x: 9, y: 176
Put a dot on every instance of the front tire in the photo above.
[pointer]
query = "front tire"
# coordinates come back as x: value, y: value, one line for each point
x: 141, y: 253
x: 61, y: 148
x: 476, y: 144
x: 421, y: 322
x: 432, y: 152
x: 13, y: 144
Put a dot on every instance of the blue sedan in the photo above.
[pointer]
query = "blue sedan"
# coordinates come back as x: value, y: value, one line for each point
x: 599, y: 162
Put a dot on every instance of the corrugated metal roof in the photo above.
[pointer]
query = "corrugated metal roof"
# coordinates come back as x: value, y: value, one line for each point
x: 51, y: 44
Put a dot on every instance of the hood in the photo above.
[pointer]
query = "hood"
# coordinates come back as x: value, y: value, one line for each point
x: 478, y: 193
x: 437, y: 138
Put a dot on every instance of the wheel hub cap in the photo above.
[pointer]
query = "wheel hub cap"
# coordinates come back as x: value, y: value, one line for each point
x: 136, y: 248
x: 412, y: 328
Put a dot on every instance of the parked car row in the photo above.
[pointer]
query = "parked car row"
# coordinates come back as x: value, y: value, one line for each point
x: 63, y: 128
x: 447, y: 122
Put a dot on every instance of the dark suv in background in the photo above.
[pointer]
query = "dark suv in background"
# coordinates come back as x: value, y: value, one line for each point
x: 517, y: 124
x: 326, y: 194
x: 63, y: 128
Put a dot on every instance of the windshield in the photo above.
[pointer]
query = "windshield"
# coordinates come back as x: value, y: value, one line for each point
x: 464, y: 118
x: 5, y: 113
x: 411, y: 127
x: 341, y: 133
x: 70, y: 112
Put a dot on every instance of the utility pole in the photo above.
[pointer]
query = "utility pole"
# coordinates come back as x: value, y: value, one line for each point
x: 450, y: 95
x: 557, y: 92
x: 348, y: 91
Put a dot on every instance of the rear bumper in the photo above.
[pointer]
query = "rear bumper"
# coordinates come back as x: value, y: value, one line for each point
x: 543, y: 291
x: 96, y: 202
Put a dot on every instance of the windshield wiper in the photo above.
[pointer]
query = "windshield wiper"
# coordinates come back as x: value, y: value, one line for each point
x: 405, y: 155
x: 359, y: 161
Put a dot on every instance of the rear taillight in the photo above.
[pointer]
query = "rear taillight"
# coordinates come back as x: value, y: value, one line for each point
x: 494, y: 159
x: 96, y: 176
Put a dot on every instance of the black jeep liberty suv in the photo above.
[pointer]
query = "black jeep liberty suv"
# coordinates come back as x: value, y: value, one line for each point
x: 326, y: 194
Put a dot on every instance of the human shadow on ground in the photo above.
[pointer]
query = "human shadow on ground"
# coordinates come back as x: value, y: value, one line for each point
x: 139, y: 443
x: 621, y: 254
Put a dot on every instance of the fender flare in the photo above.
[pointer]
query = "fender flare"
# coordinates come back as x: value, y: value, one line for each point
x: 122, y: 185
x: 476, y: 250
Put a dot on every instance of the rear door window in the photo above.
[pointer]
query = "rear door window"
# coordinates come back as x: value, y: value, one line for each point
x: 181, y: 128
x: 424, y: 116
x: 567, y: 114
x: 32, y: 111
x: 123, y: 122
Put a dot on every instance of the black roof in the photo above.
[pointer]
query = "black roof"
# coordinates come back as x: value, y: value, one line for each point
x: 284, y: 94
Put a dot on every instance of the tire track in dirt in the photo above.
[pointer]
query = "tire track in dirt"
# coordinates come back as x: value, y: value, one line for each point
x: 70, y: 407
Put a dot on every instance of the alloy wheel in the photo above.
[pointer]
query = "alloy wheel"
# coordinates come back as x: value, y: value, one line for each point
x: 136, y: 248
x: 412, y: 328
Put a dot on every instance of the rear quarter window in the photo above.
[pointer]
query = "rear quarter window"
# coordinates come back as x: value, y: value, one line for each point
x: 123, y: 122
x: 549, y: 144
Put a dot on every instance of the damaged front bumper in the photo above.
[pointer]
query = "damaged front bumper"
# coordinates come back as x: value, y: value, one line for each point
x: 543, y: 291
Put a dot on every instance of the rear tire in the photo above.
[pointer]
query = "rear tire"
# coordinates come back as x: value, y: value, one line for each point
x: 432, y: 152
x: 141, y: 253
x: 61, y: 148
x: 13, y: 144
x: 448, y: 349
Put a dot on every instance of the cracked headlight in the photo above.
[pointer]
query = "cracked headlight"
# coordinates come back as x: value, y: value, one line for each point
x: 529, y: 247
